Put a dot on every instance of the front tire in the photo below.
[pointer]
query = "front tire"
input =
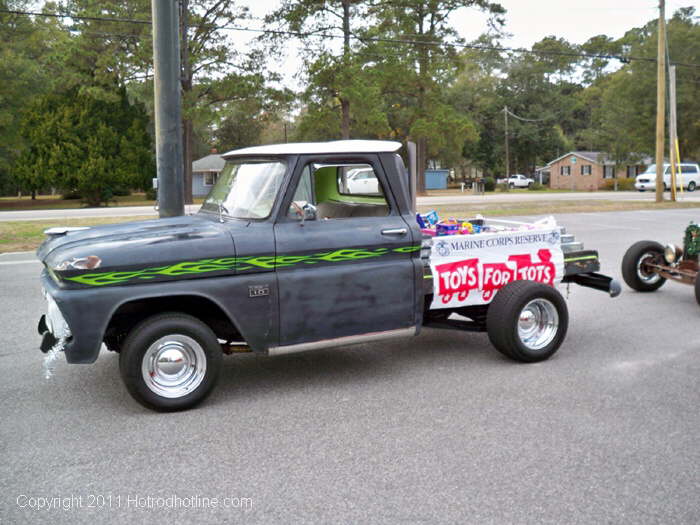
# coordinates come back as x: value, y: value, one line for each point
x: 170, y: 362
x: 634, y: 272
x: 527, y: 321
x: 691, y: 186
x: 697, y: 288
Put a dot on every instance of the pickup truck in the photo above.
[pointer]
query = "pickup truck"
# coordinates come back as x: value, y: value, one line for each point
x: 285, y: 257
x: 517, y: 181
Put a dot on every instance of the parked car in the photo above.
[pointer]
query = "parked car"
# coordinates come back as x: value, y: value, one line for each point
x: 361, y: 181
x: 517, y: 181
x: 688, y: 177
x: 647, y: 264
x: 281, y: 258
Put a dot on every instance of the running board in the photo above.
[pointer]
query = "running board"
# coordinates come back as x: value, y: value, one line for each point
x: 343, y: 341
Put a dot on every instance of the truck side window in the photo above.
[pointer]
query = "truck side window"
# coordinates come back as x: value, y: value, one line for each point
x: 342, y: 191
x: 304, y: 193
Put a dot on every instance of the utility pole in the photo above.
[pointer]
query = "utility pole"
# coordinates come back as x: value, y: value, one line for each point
x: 186, y: 80
x: 660, y: 101
x: 166, y: 76
x: 673, y: 132
x: 505, y: 115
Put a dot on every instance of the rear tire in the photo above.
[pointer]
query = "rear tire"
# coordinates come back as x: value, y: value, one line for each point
x: 697, y: 288
x: 633, y: 271
x: 527, y: 321
x: 691, y: 186
x: 170, y: 362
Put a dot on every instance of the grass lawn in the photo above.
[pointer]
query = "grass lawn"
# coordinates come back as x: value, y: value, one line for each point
x: 18, y: 236
x: 49, y: 202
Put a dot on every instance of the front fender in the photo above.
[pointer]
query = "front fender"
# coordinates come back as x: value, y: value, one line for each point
x: 89, y: 311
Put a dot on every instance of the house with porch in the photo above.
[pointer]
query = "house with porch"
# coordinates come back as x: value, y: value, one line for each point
x: 589, y: 170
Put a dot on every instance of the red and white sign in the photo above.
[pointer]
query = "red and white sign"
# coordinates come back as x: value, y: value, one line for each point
x: 470, y: 269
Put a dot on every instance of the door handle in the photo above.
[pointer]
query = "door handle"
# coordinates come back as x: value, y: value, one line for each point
x: 395, y: 231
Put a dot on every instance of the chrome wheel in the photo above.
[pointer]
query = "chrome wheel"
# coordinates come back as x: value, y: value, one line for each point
x: 649, y: 277
x: 538, y: 324
x: 174, y: 365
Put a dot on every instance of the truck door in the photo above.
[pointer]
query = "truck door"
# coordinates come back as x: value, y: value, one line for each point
x: 346, y: 269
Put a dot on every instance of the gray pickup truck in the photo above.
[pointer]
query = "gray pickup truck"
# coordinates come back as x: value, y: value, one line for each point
x: 290, y: 253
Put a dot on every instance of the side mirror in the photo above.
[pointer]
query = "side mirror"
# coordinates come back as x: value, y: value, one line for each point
x: 309, y: 213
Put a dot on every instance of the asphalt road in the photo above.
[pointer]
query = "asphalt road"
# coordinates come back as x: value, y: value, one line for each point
x: 440, y: 428
x: 434, y: 200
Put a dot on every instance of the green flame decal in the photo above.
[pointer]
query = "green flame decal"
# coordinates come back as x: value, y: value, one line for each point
x: 202, y: 266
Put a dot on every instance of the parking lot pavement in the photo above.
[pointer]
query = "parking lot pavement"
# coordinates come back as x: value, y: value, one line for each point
x: 440, y: 428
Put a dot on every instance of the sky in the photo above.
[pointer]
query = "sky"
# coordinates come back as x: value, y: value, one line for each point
x: 531, y: 20
x: 527, y: 21
x: 575, y: 20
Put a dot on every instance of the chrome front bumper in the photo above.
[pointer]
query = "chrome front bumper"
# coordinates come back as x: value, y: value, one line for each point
x: 52, y: 327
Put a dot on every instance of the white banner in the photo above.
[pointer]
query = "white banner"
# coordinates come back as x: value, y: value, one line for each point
x: 469, y: 269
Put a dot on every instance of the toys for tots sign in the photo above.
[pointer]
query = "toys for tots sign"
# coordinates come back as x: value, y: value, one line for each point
x: 469, y: 270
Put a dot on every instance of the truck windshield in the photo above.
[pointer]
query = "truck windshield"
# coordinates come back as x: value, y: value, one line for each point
x: 246, y: 189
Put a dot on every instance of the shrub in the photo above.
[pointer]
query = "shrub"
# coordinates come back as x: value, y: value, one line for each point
x: 489, y: 184
x: 536, y: 186
x: 151, y: 194
x: 72, y: 194
x: 624, y: 184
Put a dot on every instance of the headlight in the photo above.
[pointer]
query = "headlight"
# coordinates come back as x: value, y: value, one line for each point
x: 82, y: 263
x: 671, y: 253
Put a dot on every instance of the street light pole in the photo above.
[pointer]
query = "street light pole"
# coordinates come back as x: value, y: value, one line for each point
x: 166, y: 76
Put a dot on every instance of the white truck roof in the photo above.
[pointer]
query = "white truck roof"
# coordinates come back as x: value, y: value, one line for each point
x: 302, y: 148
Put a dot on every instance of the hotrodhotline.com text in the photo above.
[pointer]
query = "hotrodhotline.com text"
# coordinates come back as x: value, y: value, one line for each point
x: 130, y: 501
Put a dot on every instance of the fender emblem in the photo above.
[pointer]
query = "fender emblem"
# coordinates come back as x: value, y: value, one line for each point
x: 259, y: 290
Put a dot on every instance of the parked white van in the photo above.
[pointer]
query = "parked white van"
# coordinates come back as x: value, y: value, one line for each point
x: 689, y: 177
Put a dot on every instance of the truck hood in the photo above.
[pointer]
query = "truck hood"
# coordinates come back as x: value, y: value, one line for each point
x: 136, y: 246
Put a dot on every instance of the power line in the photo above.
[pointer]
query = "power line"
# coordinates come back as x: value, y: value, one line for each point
x: 523, y: 118
x: 301, y: 34
x: 76, y: 17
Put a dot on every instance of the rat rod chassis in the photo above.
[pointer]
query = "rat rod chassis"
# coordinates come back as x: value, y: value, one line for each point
x: 647, y: 265
x: 685, y: 272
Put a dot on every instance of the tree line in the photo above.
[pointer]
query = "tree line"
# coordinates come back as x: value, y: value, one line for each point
x: 77, y: 95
